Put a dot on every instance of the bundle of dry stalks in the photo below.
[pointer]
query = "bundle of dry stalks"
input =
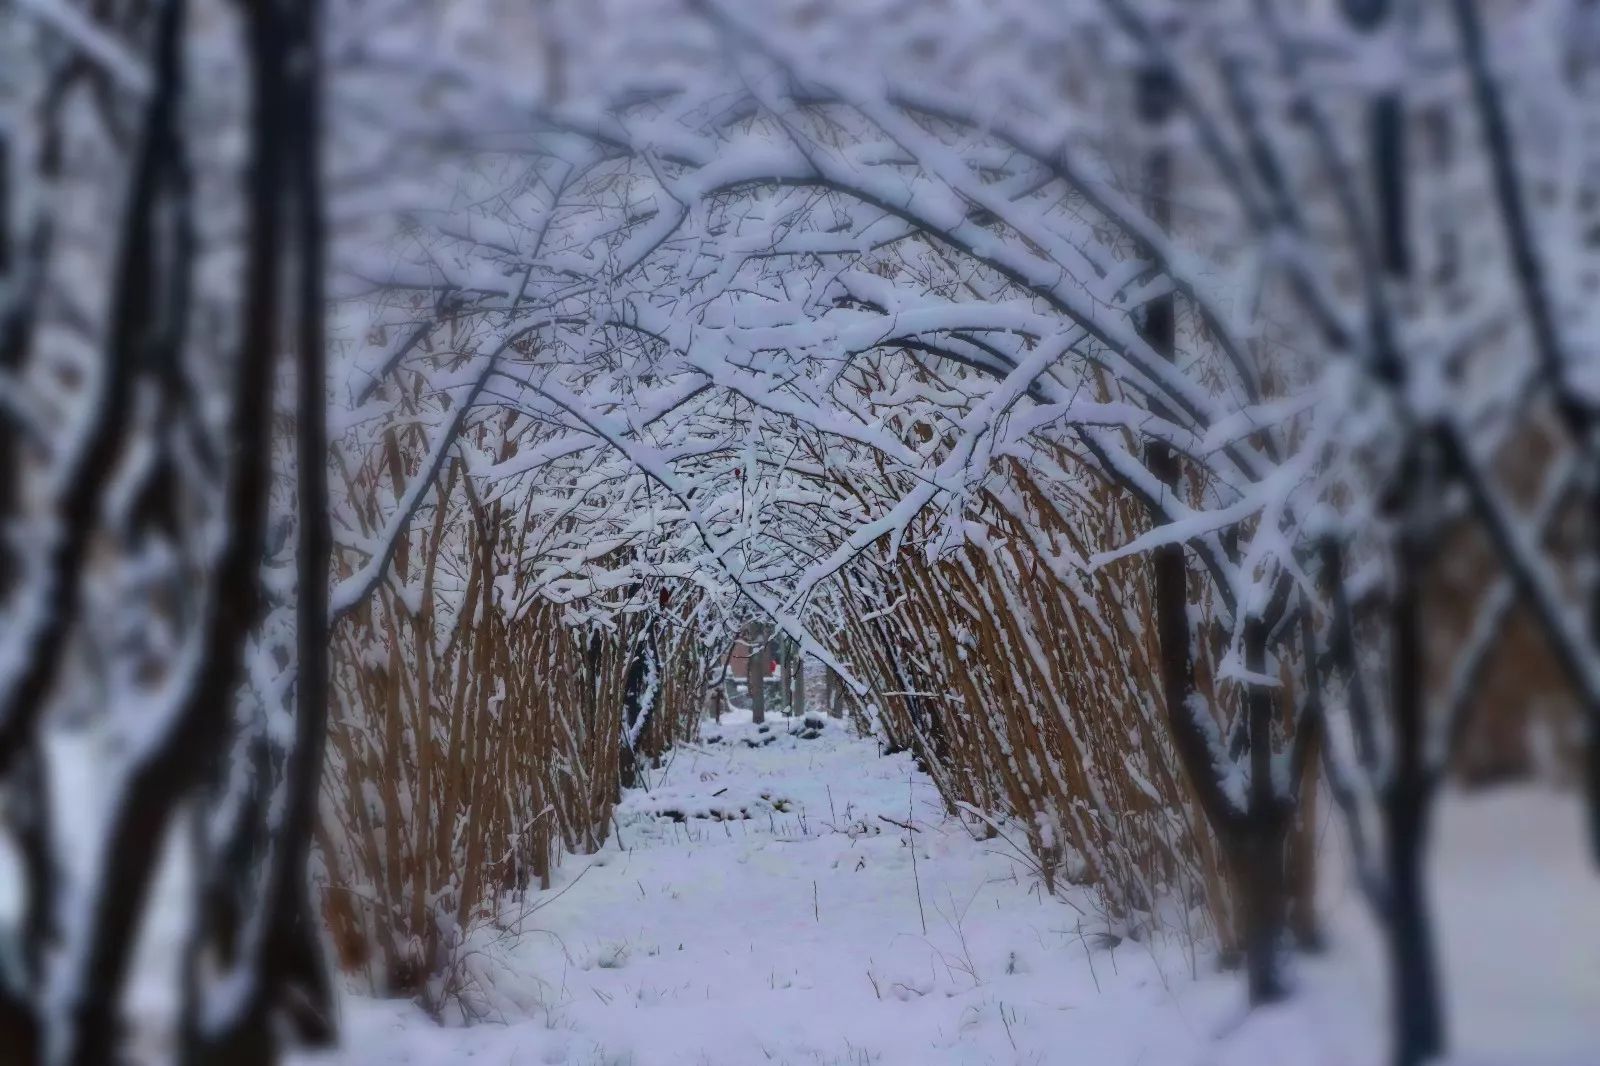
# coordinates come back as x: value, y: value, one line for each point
x: 478, y: 731
x: 1025, y: 682
x: 1026, y: 687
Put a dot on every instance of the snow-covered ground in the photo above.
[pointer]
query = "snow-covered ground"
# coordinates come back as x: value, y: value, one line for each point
x: 764, y: 901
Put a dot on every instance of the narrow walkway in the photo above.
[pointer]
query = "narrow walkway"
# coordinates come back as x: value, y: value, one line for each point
x: 773, y: 898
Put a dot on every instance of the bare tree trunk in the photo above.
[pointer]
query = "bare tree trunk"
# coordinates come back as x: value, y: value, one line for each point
x: 27, y: 793
x: 291, y: 972
x: 1253, y: 839
x: 1418, y: 1027
x: 719, y: 698
x: 16, y: 1015
x: 797, y: 701
x: 1258, y: 874
x: 1405, y: 802
x: 1262, y: 838
x: 1414, y: 982
x: 780, y: 651
x: 27, y: 807
x: 140, y: 334
x: 1302, y: 888
x: 832, y: 695
x: 755, y: 674
x: 637, y: 706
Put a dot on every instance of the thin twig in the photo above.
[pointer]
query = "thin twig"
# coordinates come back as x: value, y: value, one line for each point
x: 912, y: 844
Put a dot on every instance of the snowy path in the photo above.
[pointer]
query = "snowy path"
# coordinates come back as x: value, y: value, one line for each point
x: 792, y: 934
